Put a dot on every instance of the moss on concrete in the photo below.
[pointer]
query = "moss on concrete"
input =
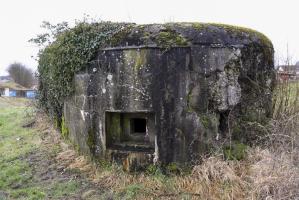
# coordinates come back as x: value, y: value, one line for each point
x: 121, y: 35
x: 198, y: 26
x: 167, y: 35
x: 170, y: 38
x: 114, y: 131
x: 135, y: 59
x: 126, y: 128
x: 209, y: 121
x: 91, y: 143
x: 205, y: 120
x: 238, y: 30
x: 140, y: 59
x: 189, y: 96
x: 64, y: 129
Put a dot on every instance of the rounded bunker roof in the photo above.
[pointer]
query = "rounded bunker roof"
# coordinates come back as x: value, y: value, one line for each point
x: 187, y: 34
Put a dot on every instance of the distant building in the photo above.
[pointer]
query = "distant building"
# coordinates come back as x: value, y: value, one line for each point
x: 288, y: 72
x: 31, y: 94
x: 5, y: 79
x: 12, y: 89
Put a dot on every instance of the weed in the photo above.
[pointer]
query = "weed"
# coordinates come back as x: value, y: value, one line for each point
x: 236, y: 151
x: 64, y: 129
x: 132, y: 190
x: 59, y: 190
x: 34, y: 193
x: 152, y: 169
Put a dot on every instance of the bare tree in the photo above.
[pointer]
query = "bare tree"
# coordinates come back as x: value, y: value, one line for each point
x: 21, y: 74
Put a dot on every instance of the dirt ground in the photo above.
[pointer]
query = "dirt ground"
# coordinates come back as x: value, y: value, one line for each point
x: 57, y: 161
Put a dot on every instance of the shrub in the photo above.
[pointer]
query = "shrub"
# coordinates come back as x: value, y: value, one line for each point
x: 67, y: 51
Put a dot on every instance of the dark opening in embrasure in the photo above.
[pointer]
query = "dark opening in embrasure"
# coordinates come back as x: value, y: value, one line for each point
x: 138, y: 126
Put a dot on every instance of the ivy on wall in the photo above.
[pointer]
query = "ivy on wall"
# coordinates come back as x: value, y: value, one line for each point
x: 65, y: 51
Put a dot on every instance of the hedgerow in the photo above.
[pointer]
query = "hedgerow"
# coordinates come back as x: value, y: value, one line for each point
x: 64, y: 52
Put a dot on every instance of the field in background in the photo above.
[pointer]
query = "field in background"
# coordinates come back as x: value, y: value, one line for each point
x: 286, y: 98
x: 35, y: 163
x: 11, y: 102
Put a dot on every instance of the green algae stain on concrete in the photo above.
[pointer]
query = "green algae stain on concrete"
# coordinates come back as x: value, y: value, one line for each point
x: 114, y: 129
x: 91, y: 140
x: 140, y: 59
x: 135, y: 59
x: 64, y: 128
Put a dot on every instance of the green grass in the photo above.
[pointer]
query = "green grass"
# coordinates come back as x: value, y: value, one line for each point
x: 131, y: 191
x: 16, y: 142
x: 33, y: 193
x: 63, y: 189
x: 17, y: 178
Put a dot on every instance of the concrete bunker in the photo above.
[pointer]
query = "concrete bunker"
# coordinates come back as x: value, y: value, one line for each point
x: 166, y: 93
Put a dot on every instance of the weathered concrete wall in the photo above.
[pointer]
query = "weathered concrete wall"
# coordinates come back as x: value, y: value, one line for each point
x: 192, y: 97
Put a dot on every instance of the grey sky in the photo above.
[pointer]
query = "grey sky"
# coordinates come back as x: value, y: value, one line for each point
x: 21, y: 20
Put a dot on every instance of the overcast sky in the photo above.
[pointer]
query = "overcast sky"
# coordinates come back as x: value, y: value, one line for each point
x: 20, y: 20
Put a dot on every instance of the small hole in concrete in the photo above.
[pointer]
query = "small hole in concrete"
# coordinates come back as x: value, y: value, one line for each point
x: 138, y: 125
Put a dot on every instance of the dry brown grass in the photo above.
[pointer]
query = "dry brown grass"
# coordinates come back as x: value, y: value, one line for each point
x: 264, y: 174
x: 270, y: 170
x: 273, y: 175
x: 269, y: 173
